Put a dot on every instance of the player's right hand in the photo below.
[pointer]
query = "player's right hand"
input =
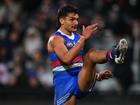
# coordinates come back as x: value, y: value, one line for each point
x: 105, y: 74
x: 88, y: 31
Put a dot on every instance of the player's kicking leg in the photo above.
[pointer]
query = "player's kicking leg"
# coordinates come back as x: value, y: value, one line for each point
x: 88, y: 73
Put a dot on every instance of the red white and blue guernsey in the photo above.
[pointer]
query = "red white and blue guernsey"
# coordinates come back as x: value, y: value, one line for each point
x: 65, y: 77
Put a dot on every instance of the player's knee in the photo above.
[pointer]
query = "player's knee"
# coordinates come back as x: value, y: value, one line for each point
x: 89, y: 54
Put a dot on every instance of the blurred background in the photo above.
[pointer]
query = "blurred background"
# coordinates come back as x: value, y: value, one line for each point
x: 25, y: 26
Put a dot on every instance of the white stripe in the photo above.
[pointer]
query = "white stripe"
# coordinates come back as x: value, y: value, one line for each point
x: 63, y: 99
x: 63, y: 68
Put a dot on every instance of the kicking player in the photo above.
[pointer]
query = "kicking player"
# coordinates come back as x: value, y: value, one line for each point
x: 74, y: 73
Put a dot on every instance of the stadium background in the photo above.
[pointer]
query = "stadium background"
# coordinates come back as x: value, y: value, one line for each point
x: 25, y: 25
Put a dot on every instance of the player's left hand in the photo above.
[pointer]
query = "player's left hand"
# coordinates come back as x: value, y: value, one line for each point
x: 105, y: 74
x: 88, y: 31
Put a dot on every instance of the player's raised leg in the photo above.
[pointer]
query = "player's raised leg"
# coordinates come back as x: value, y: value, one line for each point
x: 88, y: 72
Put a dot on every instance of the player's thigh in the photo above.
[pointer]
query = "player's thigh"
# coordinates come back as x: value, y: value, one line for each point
x: 71, y: 101
x: 87, y: 73
x: 85, y: 78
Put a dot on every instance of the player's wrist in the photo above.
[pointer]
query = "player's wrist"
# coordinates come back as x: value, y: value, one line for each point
x: 83, y: 38
x: 81, y: 41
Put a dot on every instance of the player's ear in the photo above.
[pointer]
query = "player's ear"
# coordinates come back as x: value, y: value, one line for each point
x: 61, y: 20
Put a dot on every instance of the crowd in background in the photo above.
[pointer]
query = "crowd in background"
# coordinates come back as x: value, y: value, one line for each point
x: 25, y: 27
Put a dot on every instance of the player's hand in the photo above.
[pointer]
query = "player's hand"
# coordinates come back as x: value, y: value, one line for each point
x: 105, y: 74
x: 88, y: 31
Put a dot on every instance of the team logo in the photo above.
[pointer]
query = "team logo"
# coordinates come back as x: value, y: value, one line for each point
x: 69, y: 44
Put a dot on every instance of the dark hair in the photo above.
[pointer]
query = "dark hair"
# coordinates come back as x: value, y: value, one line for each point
x: 63, y: 11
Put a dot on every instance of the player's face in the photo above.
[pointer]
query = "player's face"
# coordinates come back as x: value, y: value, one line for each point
x: 71, y: 22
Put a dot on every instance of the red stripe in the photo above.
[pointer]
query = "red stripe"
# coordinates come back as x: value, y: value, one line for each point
x: 77, y: 59
x: 56, y: 63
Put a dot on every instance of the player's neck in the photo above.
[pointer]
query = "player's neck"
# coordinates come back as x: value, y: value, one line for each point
x: 65, y: 31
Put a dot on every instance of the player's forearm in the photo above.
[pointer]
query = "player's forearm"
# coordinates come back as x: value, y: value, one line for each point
x: 72, y: 53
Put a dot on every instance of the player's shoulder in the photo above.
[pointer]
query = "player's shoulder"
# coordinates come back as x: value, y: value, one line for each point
x: 55, y: 37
